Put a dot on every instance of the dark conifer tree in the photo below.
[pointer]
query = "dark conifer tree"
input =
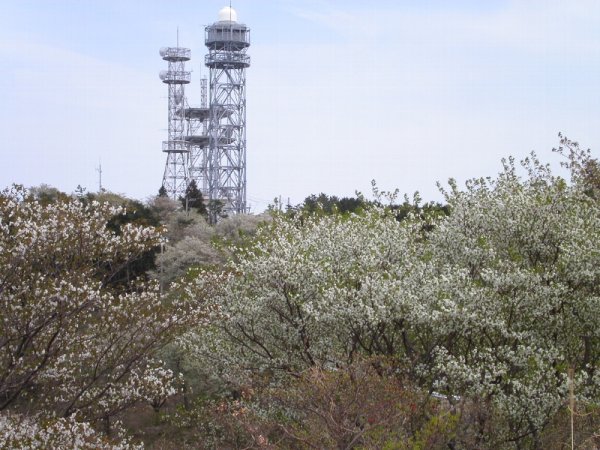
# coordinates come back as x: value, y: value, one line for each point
x: 194, y: 199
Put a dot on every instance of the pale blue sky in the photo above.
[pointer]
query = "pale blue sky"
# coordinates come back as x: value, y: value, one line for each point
x: 339, y: 92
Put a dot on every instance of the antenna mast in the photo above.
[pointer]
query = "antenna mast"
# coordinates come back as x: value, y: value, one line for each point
x: 207, y: 144
x: 99, y: 170
x: 227, y: 41
x: 175, y: 177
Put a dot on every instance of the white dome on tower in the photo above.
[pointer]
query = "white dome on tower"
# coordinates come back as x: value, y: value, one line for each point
x: 227, y: 14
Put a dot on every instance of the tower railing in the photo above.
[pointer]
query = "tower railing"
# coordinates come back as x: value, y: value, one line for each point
x: 175, y: 146
x: 234, y: 58
x: 176, y: 77
x: 236, y: 35
x: 175, y: 53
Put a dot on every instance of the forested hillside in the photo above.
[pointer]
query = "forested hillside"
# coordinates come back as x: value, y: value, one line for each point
x: 337, y: 323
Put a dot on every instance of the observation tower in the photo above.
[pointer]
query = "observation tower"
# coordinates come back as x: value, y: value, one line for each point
x: 175, y: 177
x: 227, y: 41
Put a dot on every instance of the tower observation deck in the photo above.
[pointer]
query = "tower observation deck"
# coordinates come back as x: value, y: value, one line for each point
x: 227, y: 41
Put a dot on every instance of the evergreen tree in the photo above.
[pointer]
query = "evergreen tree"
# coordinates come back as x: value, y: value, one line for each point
x: 194, y: 199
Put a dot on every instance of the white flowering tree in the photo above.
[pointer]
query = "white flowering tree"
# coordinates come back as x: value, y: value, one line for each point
x: 489, y: 306
x: 512, y: 295
x: 71, y: 340
x: 21, y: 432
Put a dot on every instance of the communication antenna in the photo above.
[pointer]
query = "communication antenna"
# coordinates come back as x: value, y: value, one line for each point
x: 227, y: 41
x: 207, y: 144
x: 99, y: 170
x: 175, y: 177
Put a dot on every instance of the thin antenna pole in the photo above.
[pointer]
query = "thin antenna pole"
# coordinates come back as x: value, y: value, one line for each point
x: 178, y: 36
x: 99, y: 170
x: 571, y: 376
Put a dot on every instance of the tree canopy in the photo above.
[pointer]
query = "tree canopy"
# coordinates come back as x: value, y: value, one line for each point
x: 339, y: 323
x: 489, y: 305
x: 72, y: 342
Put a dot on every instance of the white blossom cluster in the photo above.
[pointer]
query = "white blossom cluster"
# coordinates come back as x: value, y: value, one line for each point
x: 72, y: 341
x: 19, y: 432
x: 494, y: 302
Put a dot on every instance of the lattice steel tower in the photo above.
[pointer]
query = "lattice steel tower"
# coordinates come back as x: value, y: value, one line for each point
x: 175, y: 177
x: 227, y: 42
x: 197, y: 139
